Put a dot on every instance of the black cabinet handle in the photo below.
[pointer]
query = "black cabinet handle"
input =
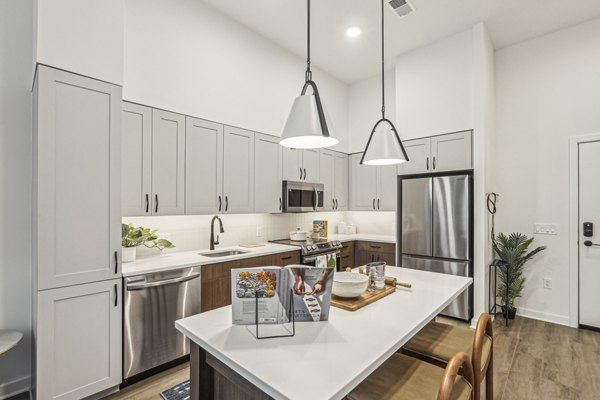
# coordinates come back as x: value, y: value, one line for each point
x: 434, y: 162
x: 226, y: 203
x: 336, y: 204
x: 589, y: 243
x: 427, y: 163
x: 345, y: 256
x: 280, y: 204
x: 147, y: 202
x: 378, y: 204
x: 375, y: 247
x: 116, y: 263
x: 286, y: 258
x: 300, y: 173
x: 155, y: 203
x: 373, y: 204
x: 220, y: 203
x: 116, y: 295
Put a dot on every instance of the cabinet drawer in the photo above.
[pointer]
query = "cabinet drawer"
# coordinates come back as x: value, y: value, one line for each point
x: 287, y: 258
x: 376, y: 247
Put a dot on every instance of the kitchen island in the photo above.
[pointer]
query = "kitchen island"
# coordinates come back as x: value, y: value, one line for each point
x: 324, y: 360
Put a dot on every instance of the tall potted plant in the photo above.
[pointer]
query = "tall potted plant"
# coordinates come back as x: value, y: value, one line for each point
x: 132, y: 237
x: 514, y: 251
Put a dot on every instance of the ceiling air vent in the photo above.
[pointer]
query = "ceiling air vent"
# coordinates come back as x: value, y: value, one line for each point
x: 401, y: 7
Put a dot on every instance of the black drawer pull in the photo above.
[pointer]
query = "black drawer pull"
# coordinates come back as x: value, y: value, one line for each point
x: 286, y: 258
x: 345, y: 256
x: 375, y: 247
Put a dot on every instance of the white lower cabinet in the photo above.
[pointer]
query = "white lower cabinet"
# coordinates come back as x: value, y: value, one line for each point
x: 267, y: 174
x: 79, y: 340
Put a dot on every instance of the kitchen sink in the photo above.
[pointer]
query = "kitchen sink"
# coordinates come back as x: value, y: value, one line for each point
x: 223, y: 253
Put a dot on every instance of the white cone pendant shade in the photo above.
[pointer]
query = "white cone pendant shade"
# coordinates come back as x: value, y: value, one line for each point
x: 384, y: 146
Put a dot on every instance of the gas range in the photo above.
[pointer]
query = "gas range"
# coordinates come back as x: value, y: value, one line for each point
x: 314, y: 248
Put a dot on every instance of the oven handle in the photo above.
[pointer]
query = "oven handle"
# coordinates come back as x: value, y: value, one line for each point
x: 313, y: 258
x: 142, y: 286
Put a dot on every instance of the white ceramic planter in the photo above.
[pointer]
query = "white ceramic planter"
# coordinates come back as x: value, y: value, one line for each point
x: 128, y: 254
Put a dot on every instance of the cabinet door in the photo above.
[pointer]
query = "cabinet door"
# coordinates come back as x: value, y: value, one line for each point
x: 419, y: 157
x: 387, y: 188
x: 363, y: 185
x: 79, y: 333
x: 292, y: 164
x: 451, y: 152
x: 310, y: 165
x: 168, y: 163
x: 203, y: 167
x: 340, y: 185
x: 327, y: 173
x: 238, y: 170
x: 267, y: 174
x: 136, y: 160
x: 77, y: 177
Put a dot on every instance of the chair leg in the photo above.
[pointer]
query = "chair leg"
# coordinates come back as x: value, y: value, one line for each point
x: 489, y: 378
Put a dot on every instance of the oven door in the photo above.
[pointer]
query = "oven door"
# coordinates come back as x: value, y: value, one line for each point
x: 312, y: 260
x: 302, y: 196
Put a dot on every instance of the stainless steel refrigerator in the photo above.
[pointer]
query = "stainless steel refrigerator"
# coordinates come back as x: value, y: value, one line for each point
x: 435, y: 230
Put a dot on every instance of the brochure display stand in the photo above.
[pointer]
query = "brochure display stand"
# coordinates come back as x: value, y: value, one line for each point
x: 275, y: 330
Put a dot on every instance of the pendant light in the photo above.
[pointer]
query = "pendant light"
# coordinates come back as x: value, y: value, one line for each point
x: 307, y: 125
x: 384, y: 146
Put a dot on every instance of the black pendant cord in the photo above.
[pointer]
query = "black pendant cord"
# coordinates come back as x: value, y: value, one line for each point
x: 308, y: 75
x: 382, y: 63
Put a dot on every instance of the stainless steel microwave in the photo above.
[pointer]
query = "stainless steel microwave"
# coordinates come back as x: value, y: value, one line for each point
x: 302, y: 196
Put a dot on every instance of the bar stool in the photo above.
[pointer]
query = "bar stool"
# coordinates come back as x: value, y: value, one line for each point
x: 403, y: 377
x: 437, y: 343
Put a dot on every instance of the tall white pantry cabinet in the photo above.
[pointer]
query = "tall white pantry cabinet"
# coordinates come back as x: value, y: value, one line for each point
x: 77, y: 305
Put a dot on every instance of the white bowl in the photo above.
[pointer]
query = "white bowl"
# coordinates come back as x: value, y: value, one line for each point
x: 298, y: 236
x: 349, y: 284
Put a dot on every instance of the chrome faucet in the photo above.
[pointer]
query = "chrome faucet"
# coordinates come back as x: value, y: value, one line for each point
x: 212, y: 231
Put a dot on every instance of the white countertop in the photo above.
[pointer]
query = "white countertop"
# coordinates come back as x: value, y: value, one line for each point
x: 183, y: 259
x: 367, y: 237
x: 326, y: 360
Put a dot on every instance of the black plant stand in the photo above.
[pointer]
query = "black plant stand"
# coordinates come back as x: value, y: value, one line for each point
x: 493, y: 301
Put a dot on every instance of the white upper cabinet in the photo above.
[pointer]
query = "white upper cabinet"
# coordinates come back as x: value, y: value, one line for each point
x: 451, y: 152
x: 267, y: 174
x: 203, y: 167
x: 292, y: 164
x: 79, y: 340
x: 168, y: 163
x: 77, y: 178
x: 418, y: 151
x: 310, y: 165
x: 387, y: 188
x: 238, y: 170
x: 136, y: 160
x: 340, y: 186
x: 327, y: 174
x: 363, y: 185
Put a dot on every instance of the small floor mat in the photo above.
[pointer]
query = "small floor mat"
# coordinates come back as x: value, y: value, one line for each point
x: 177, y: 392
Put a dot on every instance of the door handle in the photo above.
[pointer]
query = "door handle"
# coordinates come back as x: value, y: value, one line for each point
x: 373, y: 204
x: 304, y: 173
x: 300, y: 173
x: 116, y: 295
x: 155, y: 203
x: 147, y: 203
x: 226, y: 203
x: 141, y: 286
x: 220, y: 203
x: 336, y: 204
x: 588, y: 243
x: 434, y: 162
x: 280, y: 204
x: 333, y: 204
x: 378, y: 204
x: 427, y: 163
x: 116, y: 263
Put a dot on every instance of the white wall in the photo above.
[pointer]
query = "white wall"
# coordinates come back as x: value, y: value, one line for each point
x: 183, y: 55
x: 434, y: 88
x: 364, y: 108
x: 82, y: 36
x: 16, y: 53
x: 548, y: 90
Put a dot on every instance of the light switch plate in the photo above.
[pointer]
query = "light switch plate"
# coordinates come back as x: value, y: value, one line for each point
x: 545, y: 229
x: 259, y: 231
x: 547, y: 282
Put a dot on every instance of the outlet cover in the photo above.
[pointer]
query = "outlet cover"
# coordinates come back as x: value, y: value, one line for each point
x: 547, y: 283
x: 545, y: 229
x: 259, y: 231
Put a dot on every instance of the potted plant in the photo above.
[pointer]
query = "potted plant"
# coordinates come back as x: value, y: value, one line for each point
x: 132, y: 237
x: 514, y: 251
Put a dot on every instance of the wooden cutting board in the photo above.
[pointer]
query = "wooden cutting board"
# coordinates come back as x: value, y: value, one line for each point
x: 364, y: 299
x: 252, y: 244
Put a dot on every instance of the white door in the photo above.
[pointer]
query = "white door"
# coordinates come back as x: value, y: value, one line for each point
x: 363, y: 185
x: 203, y: 167
x: 419, y: 160
x: 451, y: 152
x: 168, y: 163
x: 79, y: 333
x: 238, y: 170
x: 136, y: 160
x: 292, y: 164
x: 327, y: 175
x: 267, y: 174
x: 387, y: 188
x: 310, y: 165
x: 589, y: 253
x: 77, y: 178
x: 340, y: 185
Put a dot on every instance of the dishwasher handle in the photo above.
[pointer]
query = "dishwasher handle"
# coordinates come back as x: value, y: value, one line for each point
x: 142, y: 286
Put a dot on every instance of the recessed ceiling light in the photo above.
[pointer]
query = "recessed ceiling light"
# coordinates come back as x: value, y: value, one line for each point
x: 353, y: 31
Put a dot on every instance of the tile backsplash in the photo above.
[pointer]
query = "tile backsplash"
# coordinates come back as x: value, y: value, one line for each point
x: 192, y: 232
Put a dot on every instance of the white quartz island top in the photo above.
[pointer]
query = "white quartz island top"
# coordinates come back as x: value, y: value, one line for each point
x: 326, y: 360
x: 183, y: 259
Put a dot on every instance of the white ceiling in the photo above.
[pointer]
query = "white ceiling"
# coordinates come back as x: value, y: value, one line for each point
x: 350, y: 60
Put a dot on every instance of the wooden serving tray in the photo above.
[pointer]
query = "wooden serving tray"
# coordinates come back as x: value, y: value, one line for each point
x: 364, y: 299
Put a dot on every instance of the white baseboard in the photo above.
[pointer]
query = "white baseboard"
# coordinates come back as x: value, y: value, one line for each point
x: 15, y: 387
x: 544, y: 316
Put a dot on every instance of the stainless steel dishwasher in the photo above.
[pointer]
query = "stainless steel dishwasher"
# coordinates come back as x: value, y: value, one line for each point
x: 152, y: 304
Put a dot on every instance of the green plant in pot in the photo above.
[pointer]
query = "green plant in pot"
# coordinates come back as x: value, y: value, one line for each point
x: 132, y: 237
x: 514, y: 251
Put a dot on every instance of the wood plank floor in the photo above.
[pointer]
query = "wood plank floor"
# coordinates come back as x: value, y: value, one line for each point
x: 532, y: 360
